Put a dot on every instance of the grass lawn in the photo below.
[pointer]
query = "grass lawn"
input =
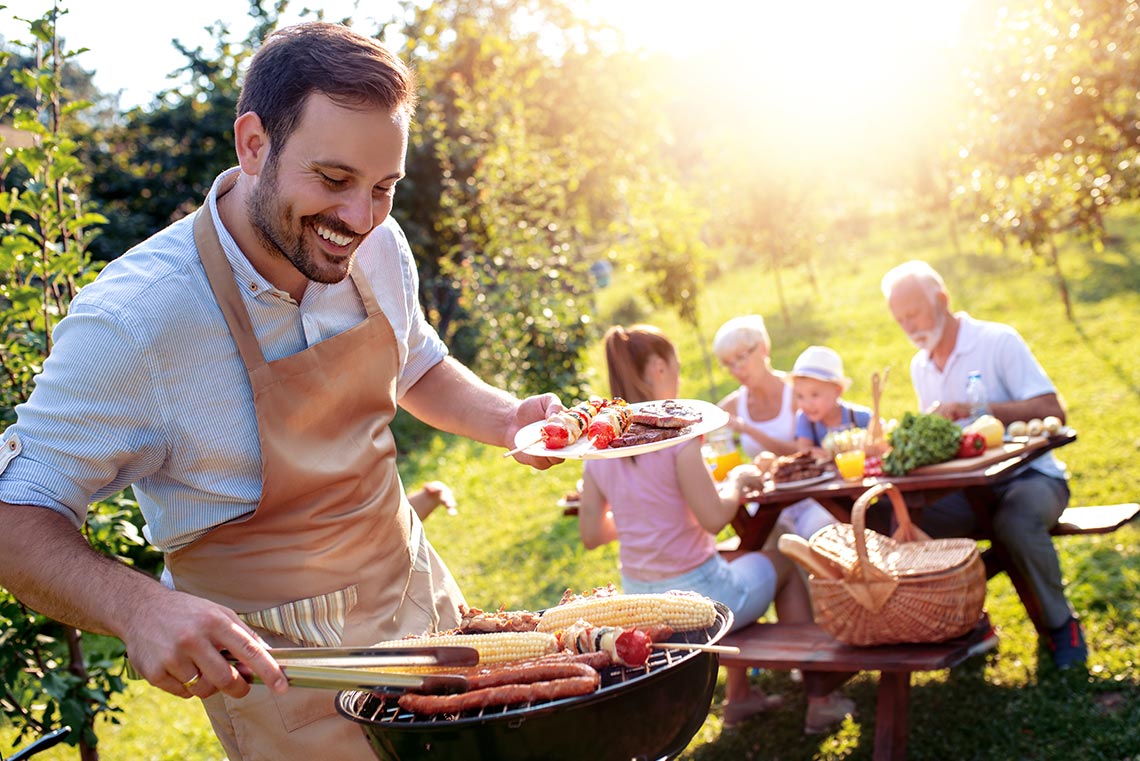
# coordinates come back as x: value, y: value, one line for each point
x: 510, y: 544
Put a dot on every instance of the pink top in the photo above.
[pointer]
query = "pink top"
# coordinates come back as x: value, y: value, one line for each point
x: 659, y: 535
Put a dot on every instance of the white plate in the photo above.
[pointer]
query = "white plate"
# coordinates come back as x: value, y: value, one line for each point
x: 712, y: 418
x: 827, y: 475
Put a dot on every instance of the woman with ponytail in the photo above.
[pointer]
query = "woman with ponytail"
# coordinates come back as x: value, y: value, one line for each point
x: 665, y: 510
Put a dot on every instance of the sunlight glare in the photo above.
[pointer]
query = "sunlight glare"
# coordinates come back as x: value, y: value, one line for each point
x: 812, y: 67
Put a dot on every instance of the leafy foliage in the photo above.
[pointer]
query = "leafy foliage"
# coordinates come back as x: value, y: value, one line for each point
x: 51, y: 674
x: 520, y: 177
x: 1049, y: 139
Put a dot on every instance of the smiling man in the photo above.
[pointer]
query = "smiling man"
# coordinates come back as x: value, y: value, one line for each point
x: 240, y: 369
x: 951, y: 346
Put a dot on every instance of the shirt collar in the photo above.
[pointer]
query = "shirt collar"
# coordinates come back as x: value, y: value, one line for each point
x: 248, y: 279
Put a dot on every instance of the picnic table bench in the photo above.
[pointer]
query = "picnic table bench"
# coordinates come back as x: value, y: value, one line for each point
x: 827, y: 663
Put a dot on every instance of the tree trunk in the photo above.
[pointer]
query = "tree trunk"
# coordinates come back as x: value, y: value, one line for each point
x: 1062, y: 285
x: 780, y: 294
x: 952, y: 227
x: 78, y: 666
x: 706, y: 354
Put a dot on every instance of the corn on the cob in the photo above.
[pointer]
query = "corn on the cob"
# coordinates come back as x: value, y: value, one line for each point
x: 493, y: 647
x: 679, y: 611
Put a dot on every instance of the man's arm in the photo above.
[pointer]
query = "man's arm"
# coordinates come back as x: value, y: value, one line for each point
x: 170, y: 636
x: 452, y: 398
x: 1023, y: 409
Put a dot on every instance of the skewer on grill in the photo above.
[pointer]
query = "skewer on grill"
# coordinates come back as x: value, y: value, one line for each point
x: 726, y: 649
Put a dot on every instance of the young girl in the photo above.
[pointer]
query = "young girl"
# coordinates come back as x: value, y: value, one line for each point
x: 664, y: 509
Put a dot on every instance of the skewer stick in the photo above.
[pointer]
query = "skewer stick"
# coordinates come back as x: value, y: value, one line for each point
x: 516, y: 450
x: 727, y: 649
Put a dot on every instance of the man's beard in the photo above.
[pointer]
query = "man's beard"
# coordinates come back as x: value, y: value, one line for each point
x: 270, y: 220
x: 926, y: 340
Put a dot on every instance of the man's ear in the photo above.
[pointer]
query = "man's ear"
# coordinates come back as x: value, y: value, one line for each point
x: 251, y: 142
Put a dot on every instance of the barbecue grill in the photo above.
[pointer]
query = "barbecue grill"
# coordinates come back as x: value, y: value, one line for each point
x: 648, y: 712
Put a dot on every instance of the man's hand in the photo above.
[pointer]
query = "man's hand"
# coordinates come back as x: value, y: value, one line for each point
x: 950, y: 410
x: 175, y: 641
x: 530, y: 410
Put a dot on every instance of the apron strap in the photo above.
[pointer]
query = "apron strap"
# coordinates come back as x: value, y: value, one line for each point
x: 371, y: 305
x: 221, y: 278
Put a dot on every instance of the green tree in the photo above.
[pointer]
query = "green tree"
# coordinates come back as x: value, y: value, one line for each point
x: 538, y: 150
x: 1052, y: 137
x: 50, y: 673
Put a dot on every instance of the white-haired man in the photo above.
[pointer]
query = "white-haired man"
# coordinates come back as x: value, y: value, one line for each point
x: 951, y: 346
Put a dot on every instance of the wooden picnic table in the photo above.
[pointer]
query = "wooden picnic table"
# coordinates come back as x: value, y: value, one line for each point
x: 827, y: 664
x: 760, y: 509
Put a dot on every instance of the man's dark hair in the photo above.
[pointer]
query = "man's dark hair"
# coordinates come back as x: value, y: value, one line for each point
x: 318, y: 57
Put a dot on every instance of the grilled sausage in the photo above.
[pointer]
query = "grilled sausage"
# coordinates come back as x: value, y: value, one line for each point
x: 584, y: 681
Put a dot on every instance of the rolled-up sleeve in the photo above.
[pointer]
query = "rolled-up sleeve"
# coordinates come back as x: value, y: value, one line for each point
x: 91, y: 425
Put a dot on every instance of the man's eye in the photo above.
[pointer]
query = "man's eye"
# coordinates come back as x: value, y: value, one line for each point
x: 332, y: 181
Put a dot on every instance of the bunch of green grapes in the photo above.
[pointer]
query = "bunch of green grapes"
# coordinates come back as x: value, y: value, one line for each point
x: 921, y: 439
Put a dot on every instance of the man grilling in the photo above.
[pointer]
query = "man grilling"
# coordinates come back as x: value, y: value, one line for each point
x: 240, y: 369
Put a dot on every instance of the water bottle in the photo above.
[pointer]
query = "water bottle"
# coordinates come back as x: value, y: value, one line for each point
x: 976, y: 395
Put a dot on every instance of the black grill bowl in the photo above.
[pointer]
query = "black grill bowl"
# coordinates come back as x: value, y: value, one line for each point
x: 644, y: 713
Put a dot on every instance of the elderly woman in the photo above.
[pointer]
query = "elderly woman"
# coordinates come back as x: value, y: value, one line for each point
x: 762, y: 411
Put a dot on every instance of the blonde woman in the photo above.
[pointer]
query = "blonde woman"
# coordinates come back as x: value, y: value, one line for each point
x: 762, y: 410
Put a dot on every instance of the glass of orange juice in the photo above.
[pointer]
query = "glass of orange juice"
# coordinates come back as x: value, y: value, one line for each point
x: 721, y: 454
x: 851, y: 464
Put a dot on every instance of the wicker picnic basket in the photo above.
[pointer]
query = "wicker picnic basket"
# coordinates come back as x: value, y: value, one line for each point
x: 870, y: 589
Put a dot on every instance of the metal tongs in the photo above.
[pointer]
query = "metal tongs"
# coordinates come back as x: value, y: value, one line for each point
x: 341, y: 668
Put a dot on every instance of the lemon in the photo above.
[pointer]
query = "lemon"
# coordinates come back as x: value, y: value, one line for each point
x: 991, y: 428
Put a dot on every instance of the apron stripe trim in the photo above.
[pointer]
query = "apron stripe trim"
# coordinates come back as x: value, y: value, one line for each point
x: 316, y: 621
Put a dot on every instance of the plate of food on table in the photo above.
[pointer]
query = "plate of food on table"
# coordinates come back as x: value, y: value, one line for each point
x: 800, y: 469
x: 600, y: 428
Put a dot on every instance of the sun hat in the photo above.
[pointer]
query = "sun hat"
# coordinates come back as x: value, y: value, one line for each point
x: 820, y: 363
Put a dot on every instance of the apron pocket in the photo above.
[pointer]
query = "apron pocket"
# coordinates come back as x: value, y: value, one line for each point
x: 300, y: 707
x: 302, y: 723
x: 315, y: 621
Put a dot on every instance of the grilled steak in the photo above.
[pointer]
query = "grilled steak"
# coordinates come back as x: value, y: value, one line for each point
x: 640, y: 433
x: 796, y: 467
x: 667, y: 413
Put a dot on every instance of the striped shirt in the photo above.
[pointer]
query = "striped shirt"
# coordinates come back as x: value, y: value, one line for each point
x: 145, y: 386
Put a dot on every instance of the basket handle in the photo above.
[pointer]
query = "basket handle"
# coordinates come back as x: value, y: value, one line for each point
x: 906, y: 531
x: 801, y: 551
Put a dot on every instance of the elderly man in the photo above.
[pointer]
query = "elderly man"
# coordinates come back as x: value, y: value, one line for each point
x: 951, y: 345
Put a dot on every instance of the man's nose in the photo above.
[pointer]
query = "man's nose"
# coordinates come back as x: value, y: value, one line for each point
x: 357, y: 213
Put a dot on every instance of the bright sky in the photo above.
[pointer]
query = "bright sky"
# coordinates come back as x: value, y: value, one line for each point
x: 855, y: 50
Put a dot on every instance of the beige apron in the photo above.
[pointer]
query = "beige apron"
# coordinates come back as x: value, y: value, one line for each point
x: 333, y: 554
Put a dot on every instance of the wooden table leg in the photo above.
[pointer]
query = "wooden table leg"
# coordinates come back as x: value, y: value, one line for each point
x: 892, y: 717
